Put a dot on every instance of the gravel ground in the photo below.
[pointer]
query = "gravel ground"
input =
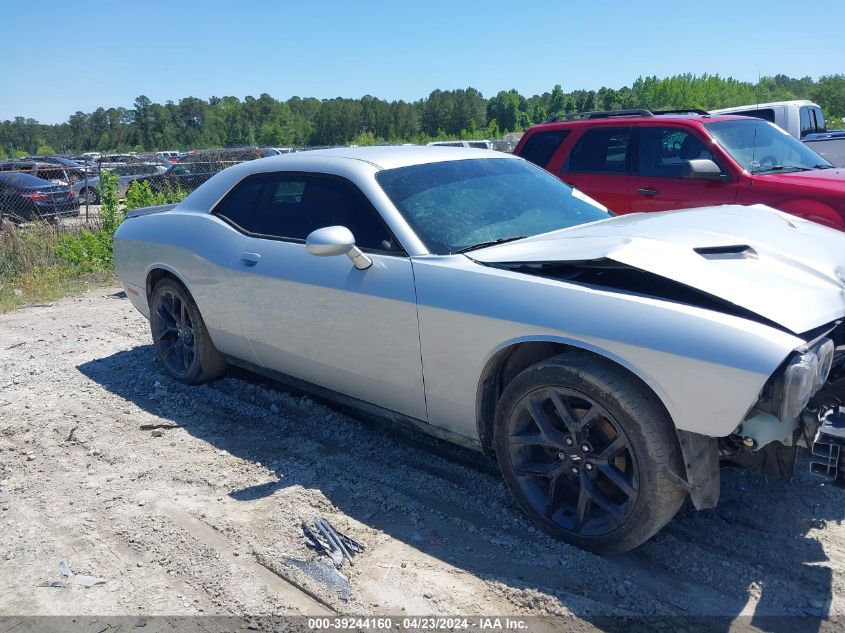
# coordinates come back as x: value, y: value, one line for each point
x: 189, y: 500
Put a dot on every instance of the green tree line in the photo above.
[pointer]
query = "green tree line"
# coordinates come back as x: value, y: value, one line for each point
x: 193, y: 123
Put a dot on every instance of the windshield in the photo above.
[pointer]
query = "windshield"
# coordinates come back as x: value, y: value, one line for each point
x: 459, y: 204
x: 762, y: 147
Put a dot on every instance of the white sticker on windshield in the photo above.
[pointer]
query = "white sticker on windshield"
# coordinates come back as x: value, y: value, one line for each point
x: 583, y: 196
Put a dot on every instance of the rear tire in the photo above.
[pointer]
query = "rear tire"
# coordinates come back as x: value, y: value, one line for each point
x: 584, y: 449
x: 89, y: 196
x: 180, y: 337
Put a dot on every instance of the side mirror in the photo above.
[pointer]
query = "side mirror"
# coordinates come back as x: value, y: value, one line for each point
x: 336, y: 240
x: 702, y: 169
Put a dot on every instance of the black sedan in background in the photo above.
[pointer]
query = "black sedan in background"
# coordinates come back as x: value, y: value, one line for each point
x: 24, y: 197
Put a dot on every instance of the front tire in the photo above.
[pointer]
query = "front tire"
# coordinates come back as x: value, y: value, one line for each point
x: 180, y: 337
x: 584, y: 450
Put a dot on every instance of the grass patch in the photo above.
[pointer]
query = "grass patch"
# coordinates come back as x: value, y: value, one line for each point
x: 48, y: 284
x: 42, y: 262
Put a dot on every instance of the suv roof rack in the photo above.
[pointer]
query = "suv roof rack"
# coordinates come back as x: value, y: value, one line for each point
x: 683, y: 111
x: 633, y: 112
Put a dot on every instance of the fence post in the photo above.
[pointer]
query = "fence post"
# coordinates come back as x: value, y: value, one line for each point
x: 85, y: 189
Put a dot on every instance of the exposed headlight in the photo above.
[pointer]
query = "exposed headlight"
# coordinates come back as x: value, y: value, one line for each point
x: 803, y: 377
x: 824, y: 351
x: 799, y: 385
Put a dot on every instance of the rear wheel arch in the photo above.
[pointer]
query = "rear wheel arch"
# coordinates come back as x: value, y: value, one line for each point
x: 156, y: 274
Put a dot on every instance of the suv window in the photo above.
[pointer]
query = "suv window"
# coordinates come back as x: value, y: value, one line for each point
x: 808, y: 124
x: 601, y: 150
x: 290, y: 205
x: 812, y: 120
x: 763, y: 113
x: 540, y: 147
x: 665, y: 150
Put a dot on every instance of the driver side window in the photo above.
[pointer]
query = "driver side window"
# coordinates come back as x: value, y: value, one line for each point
x: 289, y: 206
x: 663, y: 151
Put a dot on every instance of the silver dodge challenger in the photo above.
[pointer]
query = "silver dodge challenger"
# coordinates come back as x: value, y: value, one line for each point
x: 610, y: 363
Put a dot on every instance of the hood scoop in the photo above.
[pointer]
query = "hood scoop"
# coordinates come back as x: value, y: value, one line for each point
x: 738, y: 251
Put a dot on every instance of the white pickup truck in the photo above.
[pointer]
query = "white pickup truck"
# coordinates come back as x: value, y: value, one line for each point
x: 802, y: 119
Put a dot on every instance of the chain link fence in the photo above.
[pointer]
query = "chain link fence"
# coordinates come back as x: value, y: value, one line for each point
x: 51, y: 188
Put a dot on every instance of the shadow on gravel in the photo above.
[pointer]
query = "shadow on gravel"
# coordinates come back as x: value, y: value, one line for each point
x: 752, y: 562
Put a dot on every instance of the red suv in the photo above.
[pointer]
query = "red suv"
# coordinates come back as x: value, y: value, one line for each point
x: 639, y: 160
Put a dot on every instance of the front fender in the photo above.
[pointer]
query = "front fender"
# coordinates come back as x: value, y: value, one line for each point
x: 815, y: 211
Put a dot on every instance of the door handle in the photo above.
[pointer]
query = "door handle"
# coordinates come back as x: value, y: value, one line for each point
x: 250, y: 259
x: 648, y: 192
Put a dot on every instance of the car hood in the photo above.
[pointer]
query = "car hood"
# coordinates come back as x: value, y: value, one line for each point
x: 784, y: 269
x: 827, y: 179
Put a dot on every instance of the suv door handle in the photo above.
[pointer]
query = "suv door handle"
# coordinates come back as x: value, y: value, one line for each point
x: 250, y: 259
x: 648, y: 192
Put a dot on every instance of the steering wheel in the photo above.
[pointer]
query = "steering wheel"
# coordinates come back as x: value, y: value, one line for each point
x: 768, y: 159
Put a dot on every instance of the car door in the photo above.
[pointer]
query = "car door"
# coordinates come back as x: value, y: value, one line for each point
x: 658, y: 182
x: 598, y: 165
x: 320, y: 319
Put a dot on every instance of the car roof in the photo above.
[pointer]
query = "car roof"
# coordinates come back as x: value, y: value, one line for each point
x: 393, y: 156
x: 355, y: 163
x: 30, y: 163
x: 770, y: 104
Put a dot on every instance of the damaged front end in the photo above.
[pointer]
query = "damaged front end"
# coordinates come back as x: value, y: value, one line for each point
x: 798, y: 407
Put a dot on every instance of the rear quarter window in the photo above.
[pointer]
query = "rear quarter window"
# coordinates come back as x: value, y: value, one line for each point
x: 763, y: 113
x: 541, y: 146
x: 602, y: 150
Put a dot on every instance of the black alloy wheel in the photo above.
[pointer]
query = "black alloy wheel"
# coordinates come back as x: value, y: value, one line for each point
x: 573, y: 461
x: 174, y: 333
x: 181, y: 339
x: 588, y: 452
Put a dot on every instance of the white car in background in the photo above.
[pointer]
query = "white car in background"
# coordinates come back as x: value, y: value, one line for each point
x: 480, y: 144
x: 802, y: 119
x: 168, y: 157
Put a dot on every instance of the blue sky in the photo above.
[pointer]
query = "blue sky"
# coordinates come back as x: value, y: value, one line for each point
x: 66, y: 56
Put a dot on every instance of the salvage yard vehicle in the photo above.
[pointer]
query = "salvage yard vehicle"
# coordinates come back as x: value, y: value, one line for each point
x: 478, y: 144
x: 194, y: 168
x: 639, y: 160
x: 24, y: 197
x: 609, y: 363
x: 88, y: 190
x: 799, y: 117
x: 802, y: 119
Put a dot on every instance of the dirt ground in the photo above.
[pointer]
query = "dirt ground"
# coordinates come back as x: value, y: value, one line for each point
x: 189, y: 500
